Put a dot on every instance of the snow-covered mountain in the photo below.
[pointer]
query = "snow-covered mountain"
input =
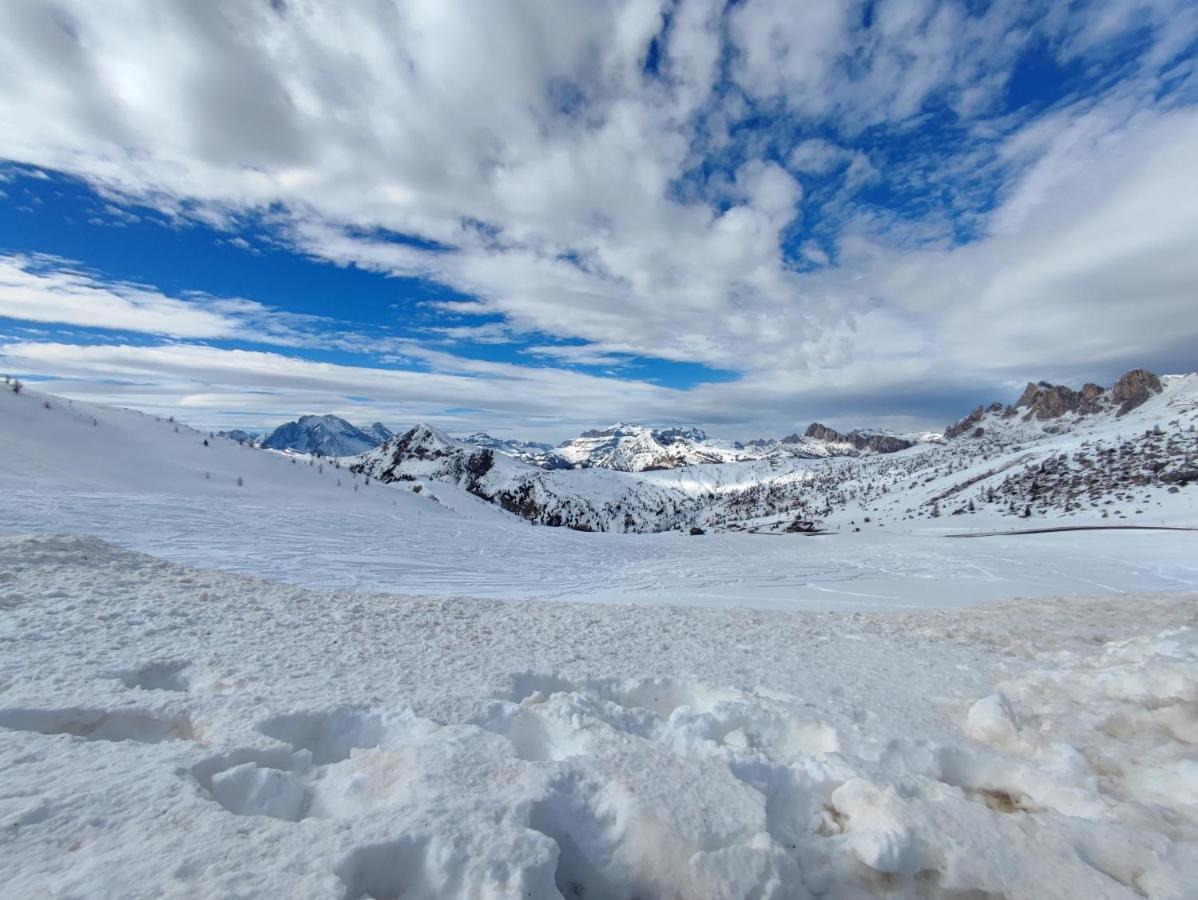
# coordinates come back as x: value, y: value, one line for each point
x: 532, y: 452
x: 378, y: 431
x: 325, y: 436
x: 1109, y: 458
x: 591, y: 500
x: 638, y: 448
x: 242, y: 437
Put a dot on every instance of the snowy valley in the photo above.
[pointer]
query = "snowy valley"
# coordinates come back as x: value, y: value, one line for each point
x: 234, y: 671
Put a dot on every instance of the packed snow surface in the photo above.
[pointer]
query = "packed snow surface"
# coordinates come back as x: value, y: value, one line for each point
x: 169, y: 731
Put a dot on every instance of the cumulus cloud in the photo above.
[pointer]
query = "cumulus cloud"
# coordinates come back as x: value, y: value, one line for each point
x: 582, y: 172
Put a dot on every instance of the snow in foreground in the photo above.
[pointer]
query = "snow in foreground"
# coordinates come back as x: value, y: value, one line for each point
x: 172, y: 731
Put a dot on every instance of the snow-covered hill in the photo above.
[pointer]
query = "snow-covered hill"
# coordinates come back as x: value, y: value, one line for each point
x: 329, y: 436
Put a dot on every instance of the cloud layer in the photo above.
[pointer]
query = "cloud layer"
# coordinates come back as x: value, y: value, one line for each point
x: 838, y: 202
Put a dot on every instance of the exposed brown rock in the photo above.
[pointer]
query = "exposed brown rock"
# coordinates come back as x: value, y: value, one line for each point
x: 964, y: 425
x: 862, y: 440
x: 824, y: 433
x: 1090, y: 398
x: 1052, y: 402
x: 1134, y: 388
x: 1028, y: 397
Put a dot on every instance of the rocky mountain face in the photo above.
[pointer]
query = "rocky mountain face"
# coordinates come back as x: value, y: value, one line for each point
x: 322, y: 436
x: 593, y: 501
x: 1057, y: 454
x: 1045, y: 402
x: 865, y: 441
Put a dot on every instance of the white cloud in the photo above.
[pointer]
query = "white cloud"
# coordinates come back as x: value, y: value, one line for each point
x: 529, y: 139
x: 41, y: 289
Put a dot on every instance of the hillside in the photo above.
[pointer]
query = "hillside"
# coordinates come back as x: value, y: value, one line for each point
x: 152, y: 485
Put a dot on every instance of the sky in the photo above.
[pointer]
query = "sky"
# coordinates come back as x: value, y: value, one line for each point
x: 537, y: 217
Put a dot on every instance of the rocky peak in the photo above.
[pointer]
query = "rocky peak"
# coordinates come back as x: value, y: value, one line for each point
x: 1134, y: 388
x: 821, y: 432
x: 874, y: 442
x: 670, y: 435
x: 1045, y: 401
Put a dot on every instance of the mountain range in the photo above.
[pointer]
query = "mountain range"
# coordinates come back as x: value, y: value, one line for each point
x: 1055, y: 452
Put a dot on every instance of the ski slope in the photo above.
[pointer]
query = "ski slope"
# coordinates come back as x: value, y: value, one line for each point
x: 151, y: 485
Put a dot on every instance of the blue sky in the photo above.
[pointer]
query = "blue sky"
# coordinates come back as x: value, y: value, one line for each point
x: 545, y: 216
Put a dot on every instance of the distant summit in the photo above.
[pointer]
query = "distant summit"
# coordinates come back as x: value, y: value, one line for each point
x: 242, y: 437
x: 325, y: 436
x: 379, y: 432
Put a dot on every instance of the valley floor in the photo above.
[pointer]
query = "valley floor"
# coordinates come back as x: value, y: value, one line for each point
x: 170, y: 731
x: 483, y: 552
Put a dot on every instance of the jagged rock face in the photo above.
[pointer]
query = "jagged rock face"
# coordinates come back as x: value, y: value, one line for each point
x: 1134, y: 388
x: 242, y: 437
x: 967, y: 423
x: 821, y: 433
x: 1044, y: 401
x: 1028, y: 397
x: 610, y: 503
x: 1090, y: 398
x: 670, y: 435
x: 439, y: 457
x: 861, y: 440
x: 1052, y: 402
x: 636, y: 448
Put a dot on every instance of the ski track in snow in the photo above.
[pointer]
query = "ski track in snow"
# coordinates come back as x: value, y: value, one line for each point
x: 168, y: 731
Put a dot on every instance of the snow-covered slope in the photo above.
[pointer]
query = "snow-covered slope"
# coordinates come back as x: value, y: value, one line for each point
x: 174, y: 732
x: 153, y: 485
x: 50, y: 446
x: 325, y: 436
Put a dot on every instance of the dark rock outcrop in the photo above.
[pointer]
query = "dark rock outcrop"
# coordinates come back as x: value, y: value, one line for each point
x: 966, y: 424
x: 1045, y: 401
x: 862, y: 440
x: 1134, y: 388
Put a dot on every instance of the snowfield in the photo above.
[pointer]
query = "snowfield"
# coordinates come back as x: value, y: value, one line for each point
x: 153, y: 486
x: 321, y: 686
x: 167, y: 731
